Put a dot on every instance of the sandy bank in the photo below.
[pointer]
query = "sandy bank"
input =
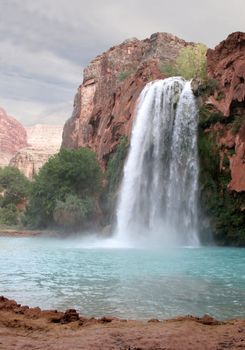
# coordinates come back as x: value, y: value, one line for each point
x: 22, y: 327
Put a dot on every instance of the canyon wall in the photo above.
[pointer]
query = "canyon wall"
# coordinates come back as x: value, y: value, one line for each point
x: 226, y: 65
x: 105, y: 102
x: 222, y: 142
x: 105, y: 105
x: 12, y: 137
x: 43, y: 141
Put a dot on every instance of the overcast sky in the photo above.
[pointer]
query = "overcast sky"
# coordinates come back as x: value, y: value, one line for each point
x: 44, y: 44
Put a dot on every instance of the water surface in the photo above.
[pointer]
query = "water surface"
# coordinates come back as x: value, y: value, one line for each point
x: 128, y: 283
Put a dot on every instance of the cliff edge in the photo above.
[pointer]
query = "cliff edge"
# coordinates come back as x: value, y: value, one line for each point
x: 105, y: 102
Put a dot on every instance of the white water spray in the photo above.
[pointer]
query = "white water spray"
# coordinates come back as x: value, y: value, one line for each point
x: 158, y: 200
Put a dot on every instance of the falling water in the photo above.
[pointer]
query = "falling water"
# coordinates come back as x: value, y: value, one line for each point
x: 158, y: 200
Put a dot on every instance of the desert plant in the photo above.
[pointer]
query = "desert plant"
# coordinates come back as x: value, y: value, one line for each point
x: 190, y: 63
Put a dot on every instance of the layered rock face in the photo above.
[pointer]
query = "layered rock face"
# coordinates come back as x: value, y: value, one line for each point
x: 43, y: 142
x: 222, y: 144
x: 12, y: 137
x: 44, y: 135
x: 226, y: 64
x: 237, y: 163
x: 104, y: 104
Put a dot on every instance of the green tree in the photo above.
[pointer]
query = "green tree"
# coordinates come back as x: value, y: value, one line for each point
x: 9, y: 215
x: 190, y: 63
x: 14, y: 188
x: 13, y: 185
x: 75, y: 172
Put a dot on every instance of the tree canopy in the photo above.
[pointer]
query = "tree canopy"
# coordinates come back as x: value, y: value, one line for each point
x: 190, y: 63
x: 70, y: 179
x: 14, y: 188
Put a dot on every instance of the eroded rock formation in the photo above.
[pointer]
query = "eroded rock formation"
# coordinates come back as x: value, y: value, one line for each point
x: 12, y: 137
x: 43, y: 142
x: 105, y: 102
x: 226, y: 64
x: 222, y: 144
x: 237, y: 163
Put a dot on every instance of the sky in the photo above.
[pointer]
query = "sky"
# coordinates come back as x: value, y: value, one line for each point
x: 45, y: 44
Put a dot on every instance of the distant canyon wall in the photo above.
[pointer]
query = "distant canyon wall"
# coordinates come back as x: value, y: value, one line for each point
x: 27, y: 148
x: 13, y: 137
x: 43, y: 141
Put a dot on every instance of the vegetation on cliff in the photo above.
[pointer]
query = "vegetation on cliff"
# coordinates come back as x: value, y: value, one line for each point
x: 190, y: 63
x: 221, y: 209
x: 113, y: 175
x: 115, y: 165
x: 65, y: 190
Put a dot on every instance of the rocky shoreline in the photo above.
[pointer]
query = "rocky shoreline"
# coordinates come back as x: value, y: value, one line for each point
x: 9, y: 232
x: 22, y: 327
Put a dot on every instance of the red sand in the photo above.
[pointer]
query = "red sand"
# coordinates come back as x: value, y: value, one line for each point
x: 30, y: 328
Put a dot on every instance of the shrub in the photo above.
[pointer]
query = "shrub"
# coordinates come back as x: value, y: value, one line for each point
x: 209, y: 117
x: 220, y: 96
x: 73, y: 211
x: 236, y: 125
x: 207, y: 87
x: 125, y: 74
x: 168, y: 69
x: 190, y: 63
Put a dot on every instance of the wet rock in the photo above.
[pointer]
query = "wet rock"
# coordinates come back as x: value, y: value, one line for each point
x: 71, y: 315
x: 107, y: 319
x: 209, y: 320
x: 153, y: 320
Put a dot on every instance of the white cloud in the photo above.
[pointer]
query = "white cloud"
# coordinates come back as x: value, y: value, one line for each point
x: 34, y: 112
x: 39, y: 63
x: 44, y: 42
x: 36, y: 86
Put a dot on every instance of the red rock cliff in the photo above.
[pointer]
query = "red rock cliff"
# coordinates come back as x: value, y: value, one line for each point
x: 104, y: 104
x: 237, y: 163
x: 12, y: 137
x: 226, y: 64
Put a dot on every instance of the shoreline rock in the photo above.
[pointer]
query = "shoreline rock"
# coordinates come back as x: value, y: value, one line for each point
x: 23, y: 327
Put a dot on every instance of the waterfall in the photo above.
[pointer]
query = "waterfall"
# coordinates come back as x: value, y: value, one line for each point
x: 158, y: 197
